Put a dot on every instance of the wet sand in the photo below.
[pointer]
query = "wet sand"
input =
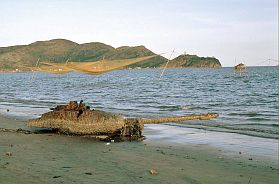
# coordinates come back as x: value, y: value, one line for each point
x: 50, y: 158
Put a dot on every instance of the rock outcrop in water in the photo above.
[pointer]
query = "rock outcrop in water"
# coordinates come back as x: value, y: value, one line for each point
x: 79, y: 119
x: 240, y: 67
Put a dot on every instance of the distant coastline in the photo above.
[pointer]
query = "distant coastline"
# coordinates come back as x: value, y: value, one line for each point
x: 59, y: 52
x: 138, y: 68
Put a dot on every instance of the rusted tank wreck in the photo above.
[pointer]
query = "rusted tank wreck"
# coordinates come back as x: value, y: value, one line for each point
x: 78, y: 119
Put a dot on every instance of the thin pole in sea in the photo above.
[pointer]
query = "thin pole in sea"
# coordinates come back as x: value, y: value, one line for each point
x: 167, y: 64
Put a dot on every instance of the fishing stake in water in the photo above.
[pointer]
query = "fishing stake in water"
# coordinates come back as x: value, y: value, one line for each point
x: 166, y: 64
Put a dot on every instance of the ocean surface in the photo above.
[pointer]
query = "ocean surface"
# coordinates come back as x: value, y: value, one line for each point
x: 247, y: 103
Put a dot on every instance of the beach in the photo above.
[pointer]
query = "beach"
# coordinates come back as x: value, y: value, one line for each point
x: 240, y: 146
x: 52, y: 158
x: 139, y: 92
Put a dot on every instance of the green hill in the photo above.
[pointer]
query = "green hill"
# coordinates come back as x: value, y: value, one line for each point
x: 60, y: 50
x: 194, y: 61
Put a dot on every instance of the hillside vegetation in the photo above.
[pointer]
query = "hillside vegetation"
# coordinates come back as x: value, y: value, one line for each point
x: 194, y: 61
x: 61, y: 51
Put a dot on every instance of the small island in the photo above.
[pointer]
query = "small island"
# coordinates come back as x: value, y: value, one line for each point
x: 194, y: 61
x: 240, y: 67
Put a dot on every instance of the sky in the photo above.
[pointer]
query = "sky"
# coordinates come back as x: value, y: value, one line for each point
x: 233, y: 31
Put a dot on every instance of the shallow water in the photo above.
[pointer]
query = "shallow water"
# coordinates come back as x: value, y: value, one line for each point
x: 247, y: 103
x: 233, y: 144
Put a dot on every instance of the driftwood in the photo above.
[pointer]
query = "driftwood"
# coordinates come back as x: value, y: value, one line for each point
x: 79, y: 119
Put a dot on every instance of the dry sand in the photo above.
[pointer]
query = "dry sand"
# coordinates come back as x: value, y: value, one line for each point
x: 50, y: 158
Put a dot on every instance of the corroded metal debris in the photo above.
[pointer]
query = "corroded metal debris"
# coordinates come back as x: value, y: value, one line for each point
x: 78, y: 119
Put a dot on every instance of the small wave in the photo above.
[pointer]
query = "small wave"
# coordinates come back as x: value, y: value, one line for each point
x: 169, y: 107
x: 258, y: 124
x: 259, y: 119
x: 252, y: 129
x: 174, y: 107
x: 186, y: 107
x: 149, y: 102
x: 272, y: 134
x: 249, y: 114
x: 255, y: 129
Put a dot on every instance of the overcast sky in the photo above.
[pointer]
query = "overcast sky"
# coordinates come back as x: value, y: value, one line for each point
x: 245, y: 30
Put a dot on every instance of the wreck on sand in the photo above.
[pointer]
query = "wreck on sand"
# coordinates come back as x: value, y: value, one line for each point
x: 78, y: 119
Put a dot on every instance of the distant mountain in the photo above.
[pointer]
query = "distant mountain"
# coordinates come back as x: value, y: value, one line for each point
x: 60, y: 50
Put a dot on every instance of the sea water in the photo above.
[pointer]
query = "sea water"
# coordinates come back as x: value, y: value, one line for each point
x: 247, y: 103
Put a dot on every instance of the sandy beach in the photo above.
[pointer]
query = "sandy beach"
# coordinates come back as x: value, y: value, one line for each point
x: 139, y: 92
x: 51, y: 158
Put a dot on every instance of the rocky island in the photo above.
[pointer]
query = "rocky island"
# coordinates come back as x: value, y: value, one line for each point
x: 194, y: 61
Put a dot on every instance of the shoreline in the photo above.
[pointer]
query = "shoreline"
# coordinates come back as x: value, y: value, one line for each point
x: 232, y: 144
x: 264, y: 149
x: 147, y: 68
x: 52, y: 158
